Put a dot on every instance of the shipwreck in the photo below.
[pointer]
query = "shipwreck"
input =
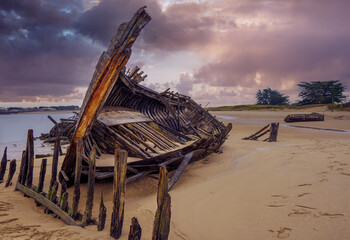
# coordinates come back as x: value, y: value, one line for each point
x: 156, y: 129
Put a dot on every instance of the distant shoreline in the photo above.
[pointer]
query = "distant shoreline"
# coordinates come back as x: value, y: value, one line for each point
x: 26, y: 112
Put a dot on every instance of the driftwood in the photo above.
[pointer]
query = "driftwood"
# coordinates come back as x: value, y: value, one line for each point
x: 3, y: 165
x: 12, y: 171
x: 180, y: 170
x: 47, y: 203
x: 90, y: 191
x: 304, y: 117
x: 273, y: 130
x: 161, y: 225
x: 135, y: 230
x: 119, y: 186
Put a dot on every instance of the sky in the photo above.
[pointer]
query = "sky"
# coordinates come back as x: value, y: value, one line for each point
x: 218, y: 52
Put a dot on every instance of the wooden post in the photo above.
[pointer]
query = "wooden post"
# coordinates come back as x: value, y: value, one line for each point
x: 30, y: 158
x: 3, y: 165
x: 55, y: 162
x: 11, y: 172
x: 42, y: 175
x: 52, y: 195
x: 161, y: 225
x: 119, y: 187
x: 22, y: 169
x: 90, y: 191
x: 273, y: 132
x: 102, y: 215
x: 64, y: 201
x: 135, y: 230
x: 77, y: 175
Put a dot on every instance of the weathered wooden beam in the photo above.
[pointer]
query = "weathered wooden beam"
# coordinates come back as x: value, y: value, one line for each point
x: 102, y: 215
x: 107, y: 71
x: 47, y: 203
x: 3, y: 165
x: 30, y: 158
x: 180, y: 170
x: 55, y: 162
x: 77, y: 175
x: 135, y: 230
x: 161, y: 226
x: 51, y: 119
x: 90, y: 191
x: 254, y: 134
x: 273, y: 132
x: 12, y: 171
x: 119, y: 187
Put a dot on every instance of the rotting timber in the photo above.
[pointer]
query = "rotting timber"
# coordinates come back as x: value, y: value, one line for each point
x: 156, y: 129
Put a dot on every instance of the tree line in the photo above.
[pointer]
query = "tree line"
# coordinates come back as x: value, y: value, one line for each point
x: 315, y: 92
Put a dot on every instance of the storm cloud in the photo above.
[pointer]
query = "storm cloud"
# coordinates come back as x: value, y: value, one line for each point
x: 49, y: 48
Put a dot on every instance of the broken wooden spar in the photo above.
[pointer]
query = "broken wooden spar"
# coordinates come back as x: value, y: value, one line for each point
x: 107, y: 71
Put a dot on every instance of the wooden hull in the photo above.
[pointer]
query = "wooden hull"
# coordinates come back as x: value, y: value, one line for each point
x: 304, y: 117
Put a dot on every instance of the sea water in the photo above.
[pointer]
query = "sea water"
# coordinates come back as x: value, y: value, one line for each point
x: 14, y: 129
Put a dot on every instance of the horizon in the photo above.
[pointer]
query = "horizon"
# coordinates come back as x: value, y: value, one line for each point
x: 221, y: 52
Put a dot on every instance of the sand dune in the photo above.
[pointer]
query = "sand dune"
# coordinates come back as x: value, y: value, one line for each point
x: 296, y: 188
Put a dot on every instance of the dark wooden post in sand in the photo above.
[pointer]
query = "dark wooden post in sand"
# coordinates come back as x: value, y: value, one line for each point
x: 11, y: 172
x: 41, y: 177
x: 30, y: 158
x: 52, y: 195
x: 77, y: 175
x: 3, y: 165
x: 102, y: 215
x: 119, y: 187
x: 273, y: 132
x: 55, y: 162
x: 135, y: 230
x: 161, y: 225
x: 90, y: 191
x: 22, y: 169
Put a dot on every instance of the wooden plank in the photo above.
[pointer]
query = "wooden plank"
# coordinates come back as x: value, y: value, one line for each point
x: 119, y: 187
x: 47, y: 203
x: 12, y: 171
x: 3, y: 165
x: 180, y: 170
x: 161, y: 226
x: 254, y: 134
x: 90, y: 191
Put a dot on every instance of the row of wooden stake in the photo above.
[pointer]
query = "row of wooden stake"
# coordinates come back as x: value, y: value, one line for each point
x: 59, y: 206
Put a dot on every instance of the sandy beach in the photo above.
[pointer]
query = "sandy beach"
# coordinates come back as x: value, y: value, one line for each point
x: 295, y: 188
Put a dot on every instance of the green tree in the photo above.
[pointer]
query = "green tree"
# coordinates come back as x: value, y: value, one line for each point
x: 318, y: 92
x: 271, y: 97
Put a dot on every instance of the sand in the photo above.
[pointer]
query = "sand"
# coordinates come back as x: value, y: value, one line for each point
x: 295, y: 188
